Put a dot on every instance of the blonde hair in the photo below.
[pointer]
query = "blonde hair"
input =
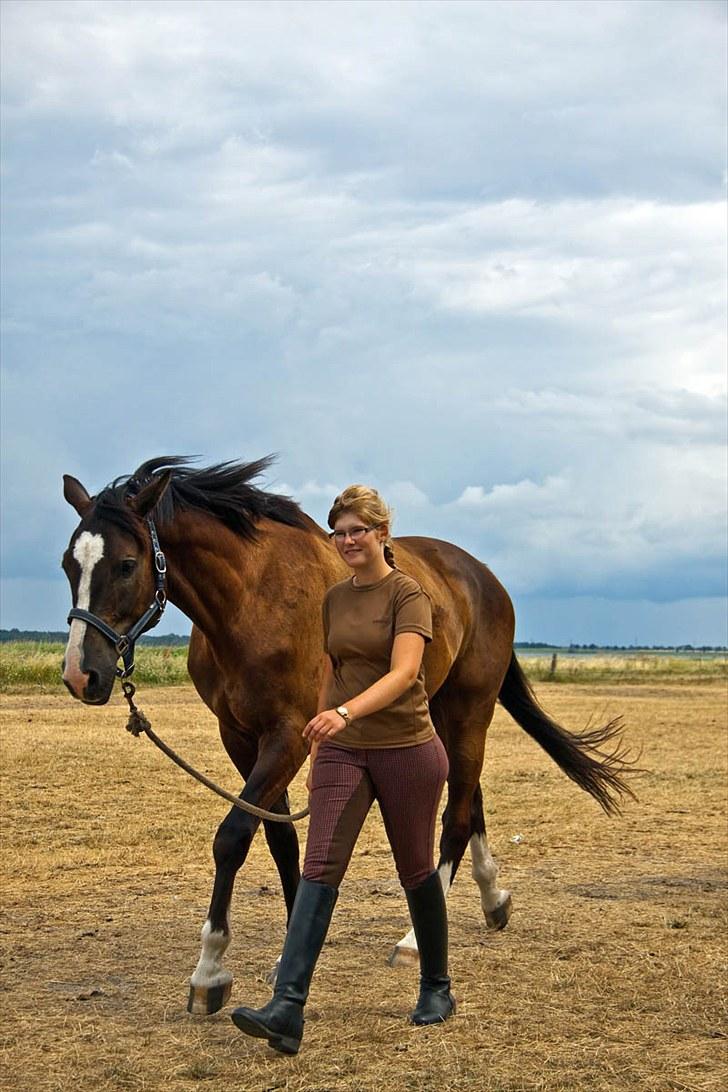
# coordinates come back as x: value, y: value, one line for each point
x: 365, y: 503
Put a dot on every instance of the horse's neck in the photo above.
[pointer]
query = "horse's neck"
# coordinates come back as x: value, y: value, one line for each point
x: 204, y: 567
x: 215, y: 575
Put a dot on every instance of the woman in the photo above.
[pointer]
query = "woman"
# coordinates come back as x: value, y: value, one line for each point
x: 372, y: 738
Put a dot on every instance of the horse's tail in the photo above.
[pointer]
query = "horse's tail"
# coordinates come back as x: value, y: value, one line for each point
x: 579, y: 754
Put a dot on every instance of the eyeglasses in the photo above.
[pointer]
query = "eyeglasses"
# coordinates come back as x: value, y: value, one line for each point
x: 354, y: 533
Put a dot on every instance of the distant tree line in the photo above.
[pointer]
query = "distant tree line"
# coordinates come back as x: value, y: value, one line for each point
x: 620, y: 648
x: 176, y: 640
x: 648, y: 648
x: 168, y: 640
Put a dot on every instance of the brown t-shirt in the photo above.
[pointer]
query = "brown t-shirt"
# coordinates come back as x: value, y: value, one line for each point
x: 360, y: 624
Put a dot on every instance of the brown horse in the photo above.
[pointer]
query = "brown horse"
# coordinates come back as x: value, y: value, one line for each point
x: 250, y: 569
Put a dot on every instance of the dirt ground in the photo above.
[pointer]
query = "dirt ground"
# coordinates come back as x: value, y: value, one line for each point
x: 611, y: 974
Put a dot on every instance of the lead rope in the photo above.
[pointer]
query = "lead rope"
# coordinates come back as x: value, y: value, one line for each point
x: 139, y: 723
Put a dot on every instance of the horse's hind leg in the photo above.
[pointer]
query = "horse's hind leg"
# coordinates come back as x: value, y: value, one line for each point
x: 454, y: 839
x: 496, y: 902
x: 463, y: 725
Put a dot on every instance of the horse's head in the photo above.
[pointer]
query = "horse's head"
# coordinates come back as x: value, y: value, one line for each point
x: 110, y: 567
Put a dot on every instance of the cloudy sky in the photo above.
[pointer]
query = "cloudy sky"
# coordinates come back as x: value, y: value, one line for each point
x: 471, y: 253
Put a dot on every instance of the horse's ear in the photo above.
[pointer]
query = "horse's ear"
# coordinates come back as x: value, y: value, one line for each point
x: 76, y: 495
x: 148, y: 497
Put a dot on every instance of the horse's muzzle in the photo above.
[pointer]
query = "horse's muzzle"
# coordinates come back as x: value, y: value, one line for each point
x: 91, y: 688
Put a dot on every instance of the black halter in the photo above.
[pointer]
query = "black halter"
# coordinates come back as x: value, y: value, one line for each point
x: 124, y: 643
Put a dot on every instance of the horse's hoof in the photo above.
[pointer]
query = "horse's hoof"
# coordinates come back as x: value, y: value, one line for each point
x: 204, y: 1000
x: 403, y: 957
x: 498, y: 917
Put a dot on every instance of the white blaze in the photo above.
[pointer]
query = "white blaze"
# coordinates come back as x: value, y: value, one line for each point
x: 88, y: 550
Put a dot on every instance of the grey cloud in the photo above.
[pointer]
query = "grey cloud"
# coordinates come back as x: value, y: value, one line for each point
x: 479, y: 256
x: 488, y: 99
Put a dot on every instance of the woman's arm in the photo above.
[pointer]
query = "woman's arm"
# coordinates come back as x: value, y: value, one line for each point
x: 404, y: 666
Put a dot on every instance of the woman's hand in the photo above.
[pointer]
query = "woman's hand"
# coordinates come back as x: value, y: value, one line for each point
x: 324, y: 725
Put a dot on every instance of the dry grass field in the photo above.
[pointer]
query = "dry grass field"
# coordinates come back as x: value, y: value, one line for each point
x: 611, y: 974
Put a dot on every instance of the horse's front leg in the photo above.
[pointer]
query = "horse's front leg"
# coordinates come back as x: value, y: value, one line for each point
x: 276, y: 763
x: 282, y: 842
x: 211, y: 982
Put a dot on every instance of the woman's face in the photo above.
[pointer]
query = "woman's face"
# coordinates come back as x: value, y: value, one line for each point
x: 358, y: 547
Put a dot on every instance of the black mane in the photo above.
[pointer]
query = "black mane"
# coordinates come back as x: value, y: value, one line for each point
x: 223, y: 491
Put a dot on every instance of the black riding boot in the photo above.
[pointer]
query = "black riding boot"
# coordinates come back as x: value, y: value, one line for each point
x: 429, y: 918
x: 281, y: 1020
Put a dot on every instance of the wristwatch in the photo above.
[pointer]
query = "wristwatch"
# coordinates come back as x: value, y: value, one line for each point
x: 344, y: 712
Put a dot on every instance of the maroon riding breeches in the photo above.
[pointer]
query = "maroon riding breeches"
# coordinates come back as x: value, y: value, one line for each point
x: 407, y: 783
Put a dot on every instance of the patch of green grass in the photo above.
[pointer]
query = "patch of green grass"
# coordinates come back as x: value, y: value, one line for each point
x: 40, y: 664
x: 635, y: 668
x: 32, y: 664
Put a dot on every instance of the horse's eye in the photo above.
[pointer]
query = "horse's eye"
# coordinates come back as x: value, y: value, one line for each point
x: 128, y: 566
